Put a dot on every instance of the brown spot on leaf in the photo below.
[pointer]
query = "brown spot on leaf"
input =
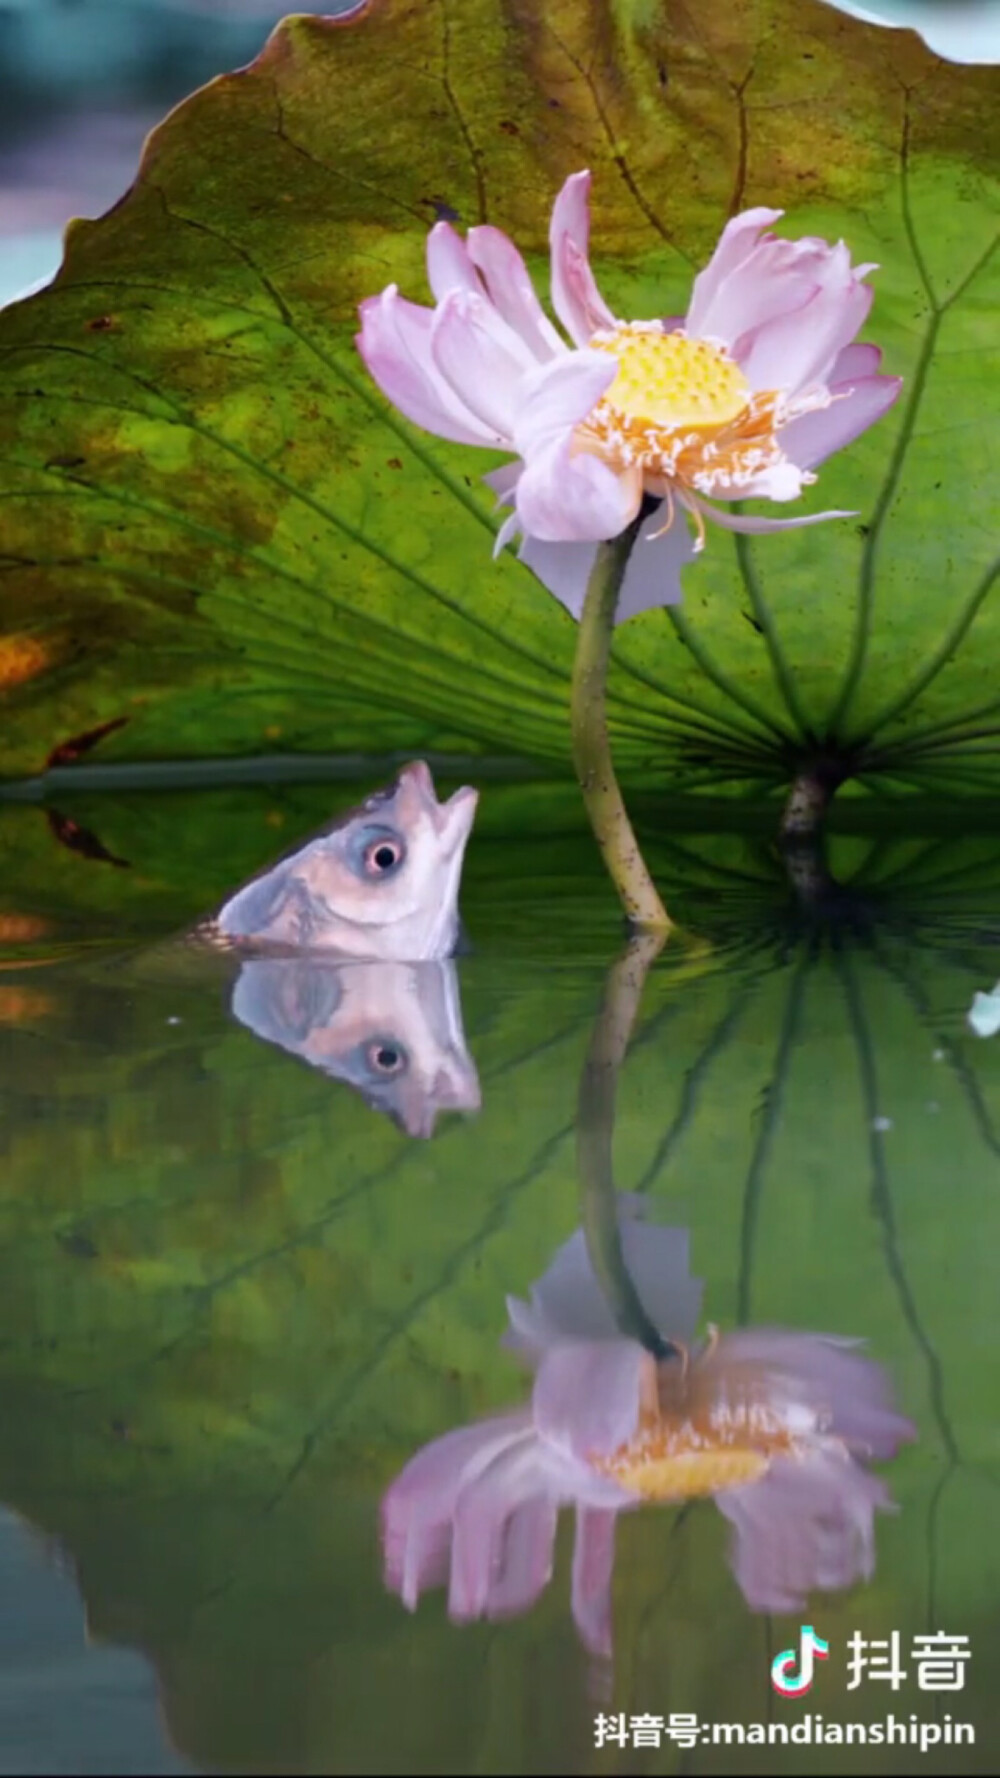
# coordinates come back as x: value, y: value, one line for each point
x: 67, y: 751
x: 509, y: 128
x: 21, y: 929
x: 21, y: 658
x: 394, y: 462
x: 80, y: 839
x: 19, y: 1006
x: 101, y: 324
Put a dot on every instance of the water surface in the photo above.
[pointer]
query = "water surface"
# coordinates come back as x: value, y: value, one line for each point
x: 236, y: 1297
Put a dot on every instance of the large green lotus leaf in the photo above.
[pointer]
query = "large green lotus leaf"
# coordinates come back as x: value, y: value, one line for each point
x: 233, y: 1301
x: 217, y: 538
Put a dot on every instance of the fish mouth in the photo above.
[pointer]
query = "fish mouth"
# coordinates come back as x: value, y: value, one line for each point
x: 454, y: 1087
x: 452, y: 820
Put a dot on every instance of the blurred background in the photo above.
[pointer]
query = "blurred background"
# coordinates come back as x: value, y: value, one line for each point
x: 81, y: 84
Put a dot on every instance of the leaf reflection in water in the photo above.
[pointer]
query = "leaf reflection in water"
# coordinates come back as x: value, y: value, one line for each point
x: 392, y: 1031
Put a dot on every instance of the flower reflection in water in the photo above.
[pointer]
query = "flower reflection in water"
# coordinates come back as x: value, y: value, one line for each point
x: 777, y: 1426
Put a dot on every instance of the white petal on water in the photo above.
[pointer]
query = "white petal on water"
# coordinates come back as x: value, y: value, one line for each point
x: 984, y: 1013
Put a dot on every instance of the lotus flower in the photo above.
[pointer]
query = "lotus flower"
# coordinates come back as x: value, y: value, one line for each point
x: 775, y: 1424
x: 741, y: 398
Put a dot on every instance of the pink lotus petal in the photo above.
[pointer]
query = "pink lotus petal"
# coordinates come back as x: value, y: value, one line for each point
x: 854, y: 364
x: 805, y: 1525
x: 734, y: 247
x: 853, y: 1390
x: 508, y: 530
x: 418, y: 1506
x: 449, y: 266
x: 593, y: 1572
x: 557, y: 396
x: 778, y: 281
x: 754, y: 527
x: 564, y: 568
x: 568, y: 1303
x: 797, y: 352
x: 562, y: 498
x: 586, y: 1396
x: 475, y: 1547
x: 517, y: 1475
x: 503, y: 481
x: 395, y: 344
x: 526, y: 1557
x: 512, y: 292
x: 529, y: 1331
x: 779, y: 277
x: 480, y: 358
x: 816, y: 436
x: 435, y: 1475
x: 417, y: 1561
x: 652, y: 577
x: 575, y: 296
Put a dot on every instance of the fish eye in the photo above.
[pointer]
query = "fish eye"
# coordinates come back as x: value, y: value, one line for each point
x: 382, y: 857
x: 386, y: 1057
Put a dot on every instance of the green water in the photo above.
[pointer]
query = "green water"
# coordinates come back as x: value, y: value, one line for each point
x: 236, y: 1299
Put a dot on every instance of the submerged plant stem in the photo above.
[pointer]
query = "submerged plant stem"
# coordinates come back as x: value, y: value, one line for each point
x: 808, y: 801
x: 801, y: 836
x: 591, y: 746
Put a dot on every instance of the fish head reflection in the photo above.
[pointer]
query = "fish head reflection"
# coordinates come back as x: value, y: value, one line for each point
x: 392, y: 1031
x: 778, y: 1427
x: 381, y: 882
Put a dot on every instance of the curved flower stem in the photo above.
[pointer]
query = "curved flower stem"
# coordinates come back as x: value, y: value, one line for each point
x: 595, y: 1127
x: 591, y: 746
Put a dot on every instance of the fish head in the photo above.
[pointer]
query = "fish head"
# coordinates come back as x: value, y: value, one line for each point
x: 382, y: 882
x: 392, y: 1031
